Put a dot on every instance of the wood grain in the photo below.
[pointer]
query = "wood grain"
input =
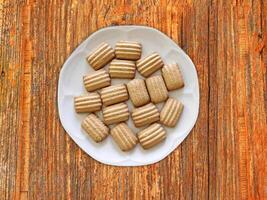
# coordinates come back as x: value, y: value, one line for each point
x: 224, y: 157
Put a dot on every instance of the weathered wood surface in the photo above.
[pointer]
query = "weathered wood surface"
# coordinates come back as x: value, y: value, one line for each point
x: 224, y: 157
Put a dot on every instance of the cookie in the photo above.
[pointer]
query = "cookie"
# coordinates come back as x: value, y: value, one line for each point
x: 171, y: 112
x: 145, y: 115
x: 101, y: 56
x: 114, y: 94
x: 128, y: 50
x: 172, y: 76
x: 149, y: 64
x: 95, y: 128
x: 116, y: 113
x: 156, y: 89
x: 138, y: 92
x: 96, y: 80
x: 124, y: 69
x: 88, y: 103
x: 151, y: 136
x: 124, y: 137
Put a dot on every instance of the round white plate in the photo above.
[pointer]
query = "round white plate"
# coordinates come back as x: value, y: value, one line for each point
x: 71, y: 84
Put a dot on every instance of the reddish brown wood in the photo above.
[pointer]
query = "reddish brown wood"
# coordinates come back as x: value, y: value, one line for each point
x: 222, y: 158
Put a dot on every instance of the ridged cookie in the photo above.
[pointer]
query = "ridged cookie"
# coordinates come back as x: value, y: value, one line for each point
x: 128, y: 50
x: 96, y: 80
x: 149, y: 64
x: 124, y: 137
x: 151, y: 135
x: 171, y: 112
x: 95, y: 128
x: 114, y: 94
x: 116, y: 113
x: 156, y: 89
x: 122, y: 69
x: 138, y: 92
x: 172, y: 76
x: 88, y: 103
x: 145, y: 115
x: 101, y: 56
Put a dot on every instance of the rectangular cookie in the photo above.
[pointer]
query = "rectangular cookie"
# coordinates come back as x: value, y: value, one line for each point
x: 115, y: 113
x: 114, y: 94
x: 124, y: 137
x: 149, y: 64
x: 138, y: 92
x: 172, y: 76
x: 156, y: 89
x: 171, y: 112
x: 96, y: 80
x: 128, y: 50
x: 145, y: 115
x: 101, y: 56
x: 124, y: 69
x: 151, y: 136
x: 88, y: 103
x: 95, y: 128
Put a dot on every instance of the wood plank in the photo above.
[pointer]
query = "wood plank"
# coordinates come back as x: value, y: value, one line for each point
x: 213, y: 98
x: 222, y: 158
x: 234, y: 169
x: 10, y: 70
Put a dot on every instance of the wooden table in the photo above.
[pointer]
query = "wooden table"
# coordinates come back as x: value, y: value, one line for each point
x: 224, y: 157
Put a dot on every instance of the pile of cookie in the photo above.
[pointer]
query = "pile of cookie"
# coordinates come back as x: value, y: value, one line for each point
x: 144, y: 95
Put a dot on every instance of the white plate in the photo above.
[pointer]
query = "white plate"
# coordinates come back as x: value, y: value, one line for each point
x: 70, y: 84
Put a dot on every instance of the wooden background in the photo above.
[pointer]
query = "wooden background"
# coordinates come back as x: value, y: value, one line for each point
x: 224, y: 157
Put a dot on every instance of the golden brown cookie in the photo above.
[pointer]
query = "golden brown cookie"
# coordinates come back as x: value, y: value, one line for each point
x: 149, y: 64
x: 101, y: 56
x: 172, y: 76
x: 122, y: 69
x: 138, y: 92
x: 156, y: 89
x: 124, y: 137
x: 95, y: 128
x: 151, y: 135
x: 114, y: 94
x: 116, y: 113
x: 88, y: 103
x: 128, y: 50
x: 171, y: 112
x: 96, y: 80
x: 145, y: 115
